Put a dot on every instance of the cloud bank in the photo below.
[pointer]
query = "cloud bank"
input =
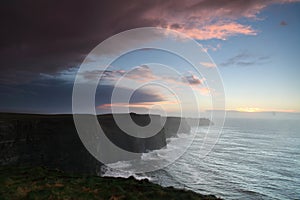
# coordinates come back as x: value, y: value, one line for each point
x: 51, y: 36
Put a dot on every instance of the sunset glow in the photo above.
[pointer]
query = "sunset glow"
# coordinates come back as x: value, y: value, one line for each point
x: 253, y: 46
x: 249, y: 109
x: 252, y: 110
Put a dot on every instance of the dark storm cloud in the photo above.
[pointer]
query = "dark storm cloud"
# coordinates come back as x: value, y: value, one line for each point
x: 41, y: 96
x: 50, y: 95
x: 104, y: 93
x: 51, y: 35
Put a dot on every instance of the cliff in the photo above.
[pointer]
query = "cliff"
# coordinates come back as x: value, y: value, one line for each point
x: 44, y: 140
x: 52, y: 140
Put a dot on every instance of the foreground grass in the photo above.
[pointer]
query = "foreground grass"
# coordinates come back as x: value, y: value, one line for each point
x: 42, y: 183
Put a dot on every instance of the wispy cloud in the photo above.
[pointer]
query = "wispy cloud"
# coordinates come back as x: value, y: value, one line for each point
x: 212, y: 47
x: 208, y: 64
x: 245, y: 59
x: 143, y: 74
x: 107, y: 74
x: 151, y: 95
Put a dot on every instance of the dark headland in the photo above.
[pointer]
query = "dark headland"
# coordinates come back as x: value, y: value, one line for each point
x: 42, y: 156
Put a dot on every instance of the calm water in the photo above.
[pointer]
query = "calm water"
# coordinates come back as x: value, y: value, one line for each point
x: 253, y: 159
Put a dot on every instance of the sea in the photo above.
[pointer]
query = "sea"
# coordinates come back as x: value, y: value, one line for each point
x: 253, y: 159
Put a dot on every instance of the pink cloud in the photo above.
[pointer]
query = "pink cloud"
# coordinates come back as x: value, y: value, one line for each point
x: 221, y: 30
x: 193, y: 80
x: 142, y: 73
x: 208, y: 64
x: 207, y: 47
x: 204, y: 91
x: 209, y: 19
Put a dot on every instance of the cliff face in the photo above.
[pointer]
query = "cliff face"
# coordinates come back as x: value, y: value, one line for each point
x: 52, y: 140
x: 131, y: 143
x: 176, y: 125
x: 44, y: 140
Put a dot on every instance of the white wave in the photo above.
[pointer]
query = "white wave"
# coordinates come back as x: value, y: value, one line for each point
x: 175, y: 147
x: 113, y: 172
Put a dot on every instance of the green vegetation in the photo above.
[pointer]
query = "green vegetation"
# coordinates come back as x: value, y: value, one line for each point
x: 42, y: 183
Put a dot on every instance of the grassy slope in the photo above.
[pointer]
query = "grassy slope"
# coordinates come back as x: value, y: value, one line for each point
x: 42, y: 183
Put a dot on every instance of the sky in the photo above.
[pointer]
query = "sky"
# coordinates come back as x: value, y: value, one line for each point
x: 253, y: 44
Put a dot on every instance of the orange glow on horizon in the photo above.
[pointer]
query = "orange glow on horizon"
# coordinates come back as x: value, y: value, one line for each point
x: 254, y: 109
x: 137, y: 105
x: 247, y: 109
